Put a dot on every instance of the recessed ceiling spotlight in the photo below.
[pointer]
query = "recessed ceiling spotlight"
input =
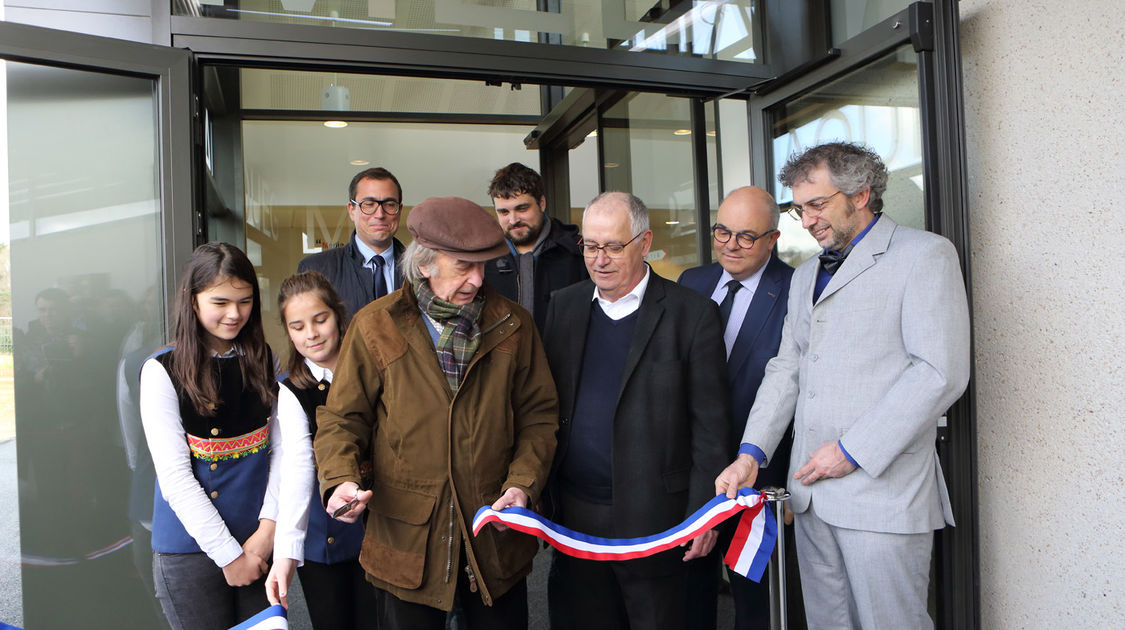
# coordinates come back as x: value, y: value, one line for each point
x: 335, y: 124
x: 359, y: 162
x: 711, y: 133
x: 672, y: 222
x: 611, y: 165
x: 682, y: 132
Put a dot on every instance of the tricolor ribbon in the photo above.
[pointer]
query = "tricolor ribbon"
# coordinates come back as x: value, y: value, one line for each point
x: 272, y: 618
x: 748, y: 555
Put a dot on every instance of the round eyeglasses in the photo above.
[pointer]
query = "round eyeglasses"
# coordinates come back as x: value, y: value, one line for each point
x: 389, y: 206
x: 745, y: 240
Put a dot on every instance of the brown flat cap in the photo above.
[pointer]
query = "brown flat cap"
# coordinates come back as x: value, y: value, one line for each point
x: 457, y: 227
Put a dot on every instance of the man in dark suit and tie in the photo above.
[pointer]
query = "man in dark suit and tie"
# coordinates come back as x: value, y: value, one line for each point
x: 751, y: 286
x: 643, y: 419
x: 366, y: 268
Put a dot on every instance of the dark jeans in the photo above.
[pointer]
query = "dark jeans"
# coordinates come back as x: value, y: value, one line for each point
x: 508, y: 612
x: 195, y: 596
x: 338, y: 595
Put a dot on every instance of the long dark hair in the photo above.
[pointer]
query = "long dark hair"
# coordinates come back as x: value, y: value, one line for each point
x: 193, y: 370
x: 315, y: 283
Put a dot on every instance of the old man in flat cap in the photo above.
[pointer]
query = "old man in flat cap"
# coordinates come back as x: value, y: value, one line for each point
x: 444, y: 386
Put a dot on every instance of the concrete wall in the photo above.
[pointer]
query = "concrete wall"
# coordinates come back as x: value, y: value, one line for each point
x: 1043, y: 94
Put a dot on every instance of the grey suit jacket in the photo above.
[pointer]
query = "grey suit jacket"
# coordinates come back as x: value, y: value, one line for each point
x: 874, y: 363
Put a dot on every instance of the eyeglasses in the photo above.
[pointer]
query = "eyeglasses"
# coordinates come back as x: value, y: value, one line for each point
x: 613, y: 250
x: 389, y: 206
x: 816, y: 206
x: 745, y: 240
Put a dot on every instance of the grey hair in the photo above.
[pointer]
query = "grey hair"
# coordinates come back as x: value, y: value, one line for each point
x: 638, y: 212
x: 851, y: 167
x: 414, y: 259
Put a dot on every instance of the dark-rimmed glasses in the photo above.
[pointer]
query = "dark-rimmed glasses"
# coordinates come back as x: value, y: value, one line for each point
x: 745, y: 240
x: 816, y: 206
x: 390, y: 206
x: 613, y: 250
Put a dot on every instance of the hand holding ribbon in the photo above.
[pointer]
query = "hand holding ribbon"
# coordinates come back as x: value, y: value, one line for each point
x: 748, y: 554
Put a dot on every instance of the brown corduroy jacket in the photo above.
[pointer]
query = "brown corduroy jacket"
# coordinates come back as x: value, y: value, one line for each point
x: 436, y: 458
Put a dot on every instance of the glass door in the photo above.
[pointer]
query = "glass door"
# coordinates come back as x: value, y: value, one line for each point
x: 95, y: 148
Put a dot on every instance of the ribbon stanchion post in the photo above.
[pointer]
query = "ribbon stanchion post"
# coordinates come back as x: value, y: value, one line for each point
x: 778, y: 614
x: 748, y: 554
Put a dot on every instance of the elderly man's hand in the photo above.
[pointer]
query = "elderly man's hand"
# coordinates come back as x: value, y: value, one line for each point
x: 701, y: 545
x: 512, y: 496
x: 826, y: 462
x: 344, y: 494
x: 742, y: 473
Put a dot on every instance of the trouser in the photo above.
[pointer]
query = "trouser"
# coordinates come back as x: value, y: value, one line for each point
x: 195, y: 595
x: 595, y: 595
x: 751, y: 599
x: 507, y: 612
x: 855, y: 579
x: 338, y: 595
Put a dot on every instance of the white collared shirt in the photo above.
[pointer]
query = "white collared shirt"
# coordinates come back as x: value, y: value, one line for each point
x: 369, y: 261
x: 741, y: 304
x: 627, y: 304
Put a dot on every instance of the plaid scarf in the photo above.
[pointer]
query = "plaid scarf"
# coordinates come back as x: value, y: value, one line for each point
x: 460, y: 336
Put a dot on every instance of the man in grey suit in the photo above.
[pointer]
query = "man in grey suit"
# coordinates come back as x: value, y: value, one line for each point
x: 874, y: 350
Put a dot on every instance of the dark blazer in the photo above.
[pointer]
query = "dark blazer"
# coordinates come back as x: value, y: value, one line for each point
x: 670, y: 428
x: 559, y: 265
x: 343, y: 266
x: 756, y: 344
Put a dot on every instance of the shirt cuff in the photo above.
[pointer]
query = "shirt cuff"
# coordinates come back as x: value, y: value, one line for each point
x: 752, y: 450
x: 229, y: 552
x: 849, y: 457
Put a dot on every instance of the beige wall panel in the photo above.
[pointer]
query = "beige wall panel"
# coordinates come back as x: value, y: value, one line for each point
x: 1043, y: 94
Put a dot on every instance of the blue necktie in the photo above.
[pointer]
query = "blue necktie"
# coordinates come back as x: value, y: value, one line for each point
x: 728, y: 302
x: 380, y: 286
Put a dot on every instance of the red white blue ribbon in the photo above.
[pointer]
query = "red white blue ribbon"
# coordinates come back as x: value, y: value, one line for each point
x: 272, y: 618
x: 748, y: 555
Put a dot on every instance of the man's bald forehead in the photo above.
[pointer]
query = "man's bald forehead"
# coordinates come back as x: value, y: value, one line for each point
x: 750, y: 200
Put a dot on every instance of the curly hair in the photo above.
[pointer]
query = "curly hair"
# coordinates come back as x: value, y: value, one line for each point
x: 513, y: 180
x: 851, y: 167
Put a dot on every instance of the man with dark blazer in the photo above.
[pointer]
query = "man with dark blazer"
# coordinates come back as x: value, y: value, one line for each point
x: 366, y: 268
x: 542, y: 252
x: 752, y: 315
x: 643, y: 421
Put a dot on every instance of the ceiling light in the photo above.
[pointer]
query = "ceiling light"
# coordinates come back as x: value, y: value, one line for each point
x: 672, y: 222
x: 682, y: 132
x: 359, y: 162
x: 711, y: 133
x: 335, y: 124
x: 611, y: 165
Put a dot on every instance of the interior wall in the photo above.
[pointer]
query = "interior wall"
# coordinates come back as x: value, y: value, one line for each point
x: 1043, y: 97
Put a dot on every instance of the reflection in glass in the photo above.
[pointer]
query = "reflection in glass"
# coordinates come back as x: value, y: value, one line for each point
x: 712, y: 29
x: 876, y: 105
x: 84, y: 313
x: 646, y: 141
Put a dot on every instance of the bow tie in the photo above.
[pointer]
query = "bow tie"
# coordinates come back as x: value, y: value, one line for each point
x: 831, y: 260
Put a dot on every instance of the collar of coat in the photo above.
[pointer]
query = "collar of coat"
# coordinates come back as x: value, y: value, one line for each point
x: 497, y: 319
